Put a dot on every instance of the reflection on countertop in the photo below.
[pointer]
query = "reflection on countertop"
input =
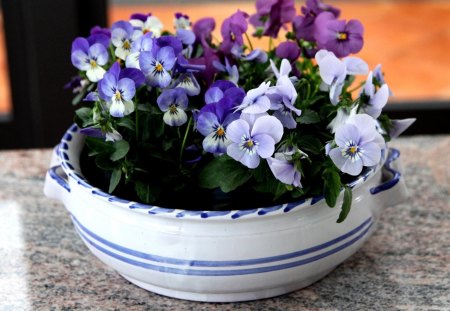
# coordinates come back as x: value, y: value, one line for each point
x: 404, y: 265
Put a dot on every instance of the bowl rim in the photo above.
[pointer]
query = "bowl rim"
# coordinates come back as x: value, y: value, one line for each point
x: 64, y: 148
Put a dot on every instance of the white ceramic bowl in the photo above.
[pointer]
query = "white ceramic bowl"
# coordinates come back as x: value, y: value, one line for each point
x: 219, y: 256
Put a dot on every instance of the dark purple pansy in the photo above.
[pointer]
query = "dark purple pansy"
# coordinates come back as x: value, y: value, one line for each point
x: 338, y: 36
x: 203, y: 29
x: 233, y: 29
x: 289, y: 50
x: 271, y: 15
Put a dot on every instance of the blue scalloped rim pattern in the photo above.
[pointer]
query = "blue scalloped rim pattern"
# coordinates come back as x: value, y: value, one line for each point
x: 63, y: 154
x: 221, y: 268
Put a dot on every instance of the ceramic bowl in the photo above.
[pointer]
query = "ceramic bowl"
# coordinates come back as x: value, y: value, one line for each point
x: 219, y: 256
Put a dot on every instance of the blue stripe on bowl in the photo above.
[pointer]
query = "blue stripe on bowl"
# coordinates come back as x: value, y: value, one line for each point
x: 225, y: 263
x: 199, y: 272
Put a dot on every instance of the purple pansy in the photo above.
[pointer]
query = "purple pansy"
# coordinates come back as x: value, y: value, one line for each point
x: 232, y: 71
x: 256, y: 101
x: 282, y: 98
x: 122, y: 37
x: 375, y: 101
x: 232, y: 31
x: 89, y: 58
x: 358, y: 144
x: 289, y: 50
x: 157, y: 64
x: 117, y: 92
x: 338, y: 36
x: 143, y: 43
x: 271, y: 15
x: 97, y: 30
x: 203, y: 29
x: 173, y: 102
x: 76, y: 84
x: 213, y: 119
x: 304, y: 25
x: 253, y: 137
x: 151, y: 24
x: 379, y: 76
x: 283, y: 169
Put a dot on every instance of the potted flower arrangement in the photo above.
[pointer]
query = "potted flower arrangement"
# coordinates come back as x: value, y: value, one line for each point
x: 178, y: 125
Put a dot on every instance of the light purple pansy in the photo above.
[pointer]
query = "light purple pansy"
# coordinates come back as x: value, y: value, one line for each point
x: 375, y: 100
x: 358, y: 144
x: 333, y: 71
x: 143, y: 43
x: 213, y: 120
x: 232, y: 71
x: 285, y: 68
x: 122, y: 37
x: 253, y: 137
x: 338, y: 36
x: 89, y: 58
x: 284, y: 169
x: 156, y: 65
x: 181, y: 21
x: 173, y: 102
x: 256, y: 101
x: 282, y: 98
x: 379, y: 76
x: 256, y: 55
x: 117, y: 92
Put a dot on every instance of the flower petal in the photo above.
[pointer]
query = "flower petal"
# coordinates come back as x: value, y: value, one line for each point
x: 175, y: 118
x: 238, y: 129
x: 117, y: 109
x: 95, y: 74
x: 127, y: 88
x: 268, y: 125
x: 371, y: 154
x: 206, y: 122
x: 265, y: 145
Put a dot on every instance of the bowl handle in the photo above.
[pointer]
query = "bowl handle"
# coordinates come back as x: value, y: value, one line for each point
x: 56, y: 185
x: 393, y: 189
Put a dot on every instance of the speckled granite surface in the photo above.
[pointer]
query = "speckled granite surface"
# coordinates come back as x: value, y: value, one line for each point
x: 405, y: 265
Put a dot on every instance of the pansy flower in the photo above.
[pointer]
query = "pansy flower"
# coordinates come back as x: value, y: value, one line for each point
x: 213, y: 120
x: 373, y: 102
x: 173, y: 102
x: 233, y: 29
x: 143, y: 43
x: 358, y: 144
x: 256, y: 101
x: 203, y: 31
x: 271, y: 15
x: 253, y: 137
x: 282, y: 98
x: 231, y: 71
x: 284, y: 169
x: 118, y: 92
x: 156, y: 65
x: 338, y: 36
x: 89, y: 58
x: 122, y: 37
x: 150, y: 24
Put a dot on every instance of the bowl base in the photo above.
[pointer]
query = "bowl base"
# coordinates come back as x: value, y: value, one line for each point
x: 227, y: 297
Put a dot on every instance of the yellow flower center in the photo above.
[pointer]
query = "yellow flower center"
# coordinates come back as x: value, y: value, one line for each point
x: 93, y: 63
x: 173, y: 109
x: 126, y: 45
x: 144, y: 31
x: 233, y: 36
x: 220, y: 132
x: 118, y: 95
x: 159, y: 67
x: 353, y: 149
x: 249, y: 143
x: 342, y: 36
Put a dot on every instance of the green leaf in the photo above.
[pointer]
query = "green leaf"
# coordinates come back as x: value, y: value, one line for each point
x: 310, y: 143
x: 115, y: 179
x: 224, y: 172
x: 121, y: 149
x: 332, y: 186
x: 346, y: 204
x: 98, y: 146
x: 146, y: 193
x: 104, y: 162
x: 127, y: 123
x: 85, y: 116
x: 308, y: 117
x: 77, y: 99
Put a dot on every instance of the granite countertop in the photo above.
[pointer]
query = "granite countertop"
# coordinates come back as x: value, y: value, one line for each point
x: 405, y: 265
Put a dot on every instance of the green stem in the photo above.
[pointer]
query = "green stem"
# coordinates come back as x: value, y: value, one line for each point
x: 270, y: 43
x: 183, y: 143
x: 357, y: 87
x: 249, y: 41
